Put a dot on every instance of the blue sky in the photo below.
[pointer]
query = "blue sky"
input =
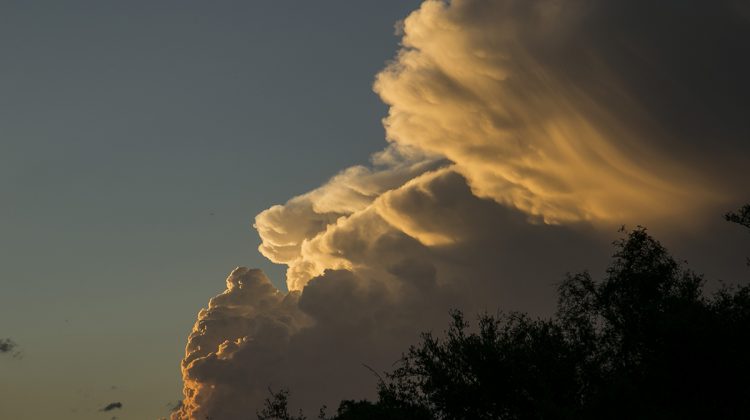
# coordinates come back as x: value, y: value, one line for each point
x: 137, y: 141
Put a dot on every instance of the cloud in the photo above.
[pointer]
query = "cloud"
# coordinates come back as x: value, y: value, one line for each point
x: 521, y: 134
x: 235, y: 342
x: 112, y: 406
x: 8, y: 346
x: 315, y: 341
x: 576, y: 111
x: 285, y: 228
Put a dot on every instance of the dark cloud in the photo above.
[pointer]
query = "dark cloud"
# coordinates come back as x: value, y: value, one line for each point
x: 10, y: 347
x: 7, y: 345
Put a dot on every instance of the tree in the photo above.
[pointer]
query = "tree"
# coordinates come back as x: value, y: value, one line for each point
x: 276, y: 407
x: 741, y: 217
x: 644, y: 342
x: 513, y: 367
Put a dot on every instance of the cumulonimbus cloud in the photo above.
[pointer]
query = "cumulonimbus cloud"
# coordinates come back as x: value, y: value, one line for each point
x: 519, y: 131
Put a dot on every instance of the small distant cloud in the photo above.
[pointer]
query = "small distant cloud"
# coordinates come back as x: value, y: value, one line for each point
x: 112, y: 406
x: 8, y: 346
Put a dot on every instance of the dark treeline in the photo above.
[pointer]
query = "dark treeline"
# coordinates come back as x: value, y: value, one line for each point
x: 645, y: 342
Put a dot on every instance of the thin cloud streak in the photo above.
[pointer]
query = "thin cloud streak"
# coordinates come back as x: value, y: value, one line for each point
x: 112, y: 406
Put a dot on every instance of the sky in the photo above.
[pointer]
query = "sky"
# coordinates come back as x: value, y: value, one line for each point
x: 137, y: 142
x: 367, y: 165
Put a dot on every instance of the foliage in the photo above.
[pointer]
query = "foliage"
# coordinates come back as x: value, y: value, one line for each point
x: 741, y: 217
x: 276, y: 407
x: 644, y: 342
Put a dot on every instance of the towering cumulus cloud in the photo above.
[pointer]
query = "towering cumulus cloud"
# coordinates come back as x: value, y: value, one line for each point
x: 519, y: 131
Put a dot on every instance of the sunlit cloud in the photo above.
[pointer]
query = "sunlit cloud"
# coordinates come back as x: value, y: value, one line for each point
x: 521, y: 133
x: 536, y: 104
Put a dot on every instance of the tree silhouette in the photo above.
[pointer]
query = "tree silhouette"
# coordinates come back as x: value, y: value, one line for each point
x: 276, y: 407
x: 741, y: 217
x: 642, y: 343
